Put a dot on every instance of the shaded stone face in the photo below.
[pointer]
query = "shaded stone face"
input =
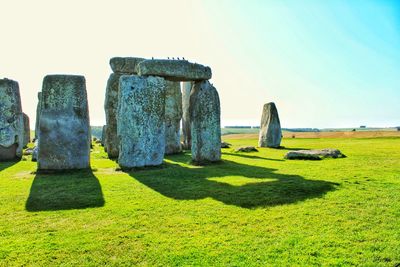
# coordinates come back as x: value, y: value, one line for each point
x: 205, y: 123
x: 174, y: 70
x: 141, y: 121
x: 38, y: 107
x: 27, y: 130
x: 187, y: 139
x: 125, y: 65
x: 110, y: 107
x: 173, y: 115
x: 11, y: 121
x: 103, y: 134
x: 270, y: 129
x: 64, y: 128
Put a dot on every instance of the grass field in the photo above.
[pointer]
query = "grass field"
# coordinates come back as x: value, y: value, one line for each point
x: 252, y: 209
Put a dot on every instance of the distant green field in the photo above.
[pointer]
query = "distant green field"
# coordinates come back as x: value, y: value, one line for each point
x: 253, y: 209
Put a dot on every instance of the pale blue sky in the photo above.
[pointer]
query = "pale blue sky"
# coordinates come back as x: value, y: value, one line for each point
x: 324, y: 63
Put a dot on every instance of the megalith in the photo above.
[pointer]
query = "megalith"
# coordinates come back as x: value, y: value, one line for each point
x: 141, y: 121
x: 27, y: 129
x: 205, y: 121
x: 173, y: 115
x: 38, y: 107
x: 186, y: 88
x: 103, y: 134
x: 64, y: 128
x: 11, y: 121
x: 174, y: 70
x: 270, y: 128
x: 120, y: 66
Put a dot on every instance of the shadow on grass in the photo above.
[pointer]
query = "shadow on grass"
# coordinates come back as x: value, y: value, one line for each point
x: 249, y: 156
x: 182, y: 183
x: 7, y: 164
x: 65, y: 191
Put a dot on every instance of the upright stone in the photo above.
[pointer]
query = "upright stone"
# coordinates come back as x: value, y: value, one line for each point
x: 64, y: 133
x: 187, y: 139
x: 11, y: 121
x: 120, y: 66
x: 103, y: 134
x: 110, y: 107
x: 205, y: 123
x: 270, y: 129
x: 141, y: 121
x: 27, y: 130
x: 173, y: 115
x: 38, y: 107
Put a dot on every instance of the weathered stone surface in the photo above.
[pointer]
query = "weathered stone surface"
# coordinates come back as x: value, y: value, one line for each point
x: 187, y: 137
x: 125, y: 65
x: 174, y: 70
x: 141, y: 121
x: 35, y: 151
x: 64, y: 134
x: 173, y: 115
x: 225, y: 145
x: 205, y: 123
x: 27, y: 130
x: 246, y: 149
x: 110, y: 106
x: 11, y: 121
x: 103, y: 135
x: 270, y: 129
x: 316, y: 154
x: 38, y: 108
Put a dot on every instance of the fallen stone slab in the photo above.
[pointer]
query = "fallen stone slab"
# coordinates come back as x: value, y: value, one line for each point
x: 270, y: 129
x: 316, y: 154
x: 225, y: 145
x: 64, y: 134
x: 246, y: 149
x: 11, y: 121
x: 205, y: 121
x: 141, y: 121
x: 174, y: 70
x: 125, y: 65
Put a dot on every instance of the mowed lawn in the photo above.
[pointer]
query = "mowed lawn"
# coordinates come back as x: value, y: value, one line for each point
x: 252, y: 209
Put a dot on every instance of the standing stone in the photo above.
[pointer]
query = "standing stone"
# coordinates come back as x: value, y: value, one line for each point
x: 103, y: 135
x: 64, y: 128
x: 187, y: 139
x: 38, y: 107
x: 120, y: 66
x: 205, y: 123
x: 11, y: 121
x: 27, y: 130
x: 141, y: 121
x: 173, y: 115
x: 270, y: 129
x: 110, y: 106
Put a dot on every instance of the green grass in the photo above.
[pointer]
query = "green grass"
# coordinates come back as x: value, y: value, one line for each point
x: 251, y: 209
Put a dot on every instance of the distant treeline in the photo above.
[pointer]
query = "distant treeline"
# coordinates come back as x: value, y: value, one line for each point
x: 301, y: 129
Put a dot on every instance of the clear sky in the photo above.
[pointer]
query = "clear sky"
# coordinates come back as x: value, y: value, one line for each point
x: 324, y: 63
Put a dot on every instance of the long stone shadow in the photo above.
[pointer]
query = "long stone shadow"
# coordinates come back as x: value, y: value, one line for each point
x: 182, y: 183
x: 6, y: 164
x: 65, y: 191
